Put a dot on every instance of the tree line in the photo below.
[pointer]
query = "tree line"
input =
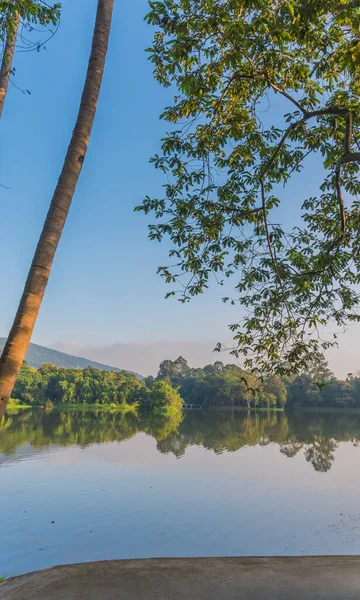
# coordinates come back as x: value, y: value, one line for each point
x: 49, y: 385
x: 230, y: 385
x: 221, y: 385
x: 214, y: 386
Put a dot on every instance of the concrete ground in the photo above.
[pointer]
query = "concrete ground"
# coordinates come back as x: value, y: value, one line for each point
x: 311, y: 578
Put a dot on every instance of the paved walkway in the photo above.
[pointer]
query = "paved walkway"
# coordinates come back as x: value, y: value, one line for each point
x: 312, y: 578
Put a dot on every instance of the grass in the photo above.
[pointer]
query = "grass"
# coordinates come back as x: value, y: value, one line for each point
x: 2, y: 579
x: 122, y: 408
x: 14, y: 406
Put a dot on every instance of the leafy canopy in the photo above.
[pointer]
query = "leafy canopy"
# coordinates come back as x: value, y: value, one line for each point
x: 31, y: 13
x: 263, y: 88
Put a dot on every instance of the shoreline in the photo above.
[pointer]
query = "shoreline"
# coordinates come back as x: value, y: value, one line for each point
x: 270, y: 578
x: 130, y: 409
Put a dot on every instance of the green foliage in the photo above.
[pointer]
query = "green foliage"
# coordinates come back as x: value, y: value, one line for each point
x: 31, y: 12
x: 14, y: 406
x: 160, y: 426
x: 229, y: 155
x: 216, y: 385
x: 317, y: 387
x: 173, y: 371
x: 220, y: 385
x: 164, y: 399
x: 50, y: 385
x: 223, y: 385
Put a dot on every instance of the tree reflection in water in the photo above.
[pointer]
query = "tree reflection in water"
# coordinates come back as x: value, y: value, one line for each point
x: 316, y: 436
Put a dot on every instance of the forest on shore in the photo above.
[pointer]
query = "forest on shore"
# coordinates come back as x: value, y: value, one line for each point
x: 214, y: 386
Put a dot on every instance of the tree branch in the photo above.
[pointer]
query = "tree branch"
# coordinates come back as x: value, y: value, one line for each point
x: 243, y: 213
x: 349, y: 157
x: 293, y: 126
x: 284, y: 93
x: 232, y: 78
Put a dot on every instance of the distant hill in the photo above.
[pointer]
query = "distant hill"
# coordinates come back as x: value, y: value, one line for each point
x: 39, y: 355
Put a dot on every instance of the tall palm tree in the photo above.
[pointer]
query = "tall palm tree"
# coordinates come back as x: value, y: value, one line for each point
x: 7, y: 60
x: 21, y: 331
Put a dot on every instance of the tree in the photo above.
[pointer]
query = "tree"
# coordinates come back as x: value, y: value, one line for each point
x: 7, y: 61
x: 20, y: 334
x: 236, y: 66
x: 30, y: 13
x: 318, y: 370
x: 26, y: 383
x: 266, y: 400
x: 173, y: 371
x: 163, y: 399
x: 321, y: 453
x: 277, y: 388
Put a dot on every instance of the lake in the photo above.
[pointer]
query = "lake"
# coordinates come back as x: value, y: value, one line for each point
x: 84, y: 485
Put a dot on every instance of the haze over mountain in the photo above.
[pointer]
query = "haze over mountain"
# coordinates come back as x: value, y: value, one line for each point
x: 39, y: 355
x: 145, y: 357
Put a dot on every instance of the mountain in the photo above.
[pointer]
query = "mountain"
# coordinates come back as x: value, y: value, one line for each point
x: 39, y: 355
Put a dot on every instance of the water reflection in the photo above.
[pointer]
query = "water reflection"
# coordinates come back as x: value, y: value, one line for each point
x: 316, y: 436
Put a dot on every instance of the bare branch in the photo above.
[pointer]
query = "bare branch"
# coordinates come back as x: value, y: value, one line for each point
x: 284, y: 93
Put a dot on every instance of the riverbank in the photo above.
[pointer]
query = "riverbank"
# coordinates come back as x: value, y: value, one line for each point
x: 297, y: 578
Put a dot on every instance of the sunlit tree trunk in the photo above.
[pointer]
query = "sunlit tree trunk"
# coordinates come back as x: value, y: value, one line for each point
x: 7, y: 62
x: 20, y: 334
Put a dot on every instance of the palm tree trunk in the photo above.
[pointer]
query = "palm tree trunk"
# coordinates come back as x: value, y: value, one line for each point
x: 7, y: 62
x: 20, y: 334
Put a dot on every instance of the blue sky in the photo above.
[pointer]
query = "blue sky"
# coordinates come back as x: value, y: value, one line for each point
x: 103, y: 290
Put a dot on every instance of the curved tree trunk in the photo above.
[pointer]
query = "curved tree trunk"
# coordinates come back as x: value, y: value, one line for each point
x: 20, y: 334
x: 7, y: 62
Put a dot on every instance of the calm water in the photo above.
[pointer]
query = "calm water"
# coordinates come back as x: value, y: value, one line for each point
x: 83, y: 485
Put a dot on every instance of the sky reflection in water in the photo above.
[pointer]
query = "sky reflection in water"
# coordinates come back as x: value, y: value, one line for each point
x: 211, y: 485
